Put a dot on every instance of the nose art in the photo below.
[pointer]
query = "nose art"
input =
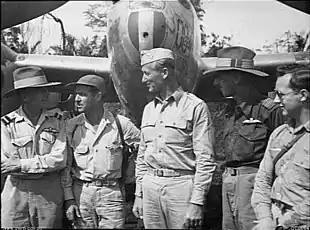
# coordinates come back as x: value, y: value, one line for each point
x: 146, y: 29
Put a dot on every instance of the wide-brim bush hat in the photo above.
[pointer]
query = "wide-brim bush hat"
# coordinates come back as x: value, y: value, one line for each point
x: 29, y: 77
x: 236, y: 58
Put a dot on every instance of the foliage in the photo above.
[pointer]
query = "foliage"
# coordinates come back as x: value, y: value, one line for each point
x: 17, y: 39
x: 96, y: 47
x: 97, y: 15
x: 288, y: 42
x: 215, y: 43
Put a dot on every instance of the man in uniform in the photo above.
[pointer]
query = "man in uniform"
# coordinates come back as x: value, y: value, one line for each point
x: 281, y: 195
x: 94, y: 199
x: 175, y: 160
x: 33, y: 151
x: 247, y: 126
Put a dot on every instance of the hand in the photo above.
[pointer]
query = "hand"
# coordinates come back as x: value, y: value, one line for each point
x: 10, y: 165
x: 137, y: 209
x: 72, y: 210
x: 265, y: 224
x: 194, y: 216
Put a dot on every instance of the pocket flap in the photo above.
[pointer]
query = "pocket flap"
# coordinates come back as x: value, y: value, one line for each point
x: 302, y: 159
x: 148, y: 123
x: 253, y: 132
x: 81, y: 149
x: 21, y: 141
x: 181, y: 124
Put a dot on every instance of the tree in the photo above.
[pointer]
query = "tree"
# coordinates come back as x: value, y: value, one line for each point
x: 97, y: 16
x: 63, y: 33
x: 288, y: 42
x: 215, y: 43
x: 17, y: 38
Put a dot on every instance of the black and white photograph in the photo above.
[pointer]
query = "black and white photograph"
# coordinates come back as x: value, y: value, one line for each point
x: 155, y: 114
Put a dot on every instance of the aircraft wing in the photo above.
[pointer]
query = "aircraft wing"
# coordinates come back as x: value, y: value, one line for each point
x: 16, y: 12
x: 300, y: 5
x: 265, y: 62
x: 59, y: 68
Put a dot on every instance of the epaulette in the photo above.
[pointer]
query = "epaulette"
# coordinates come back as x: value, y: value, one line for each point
x: 7, y: 119
x: 58, y: 116
x: 269, y: 103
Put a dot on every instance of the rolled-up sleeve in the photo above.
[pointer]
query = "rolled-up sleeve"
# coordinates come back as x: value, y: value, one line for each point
x: 261, y: 200
x: 54, y: 161
x: 203, y: 146
x: 131, y: 134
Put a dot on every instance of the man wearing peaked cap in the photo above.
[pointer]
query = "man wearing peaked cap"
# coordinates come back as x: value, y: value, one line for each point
x: 33, y: 154
x: 96, y: 161
x: 175, y: 160
x: 249, y: 120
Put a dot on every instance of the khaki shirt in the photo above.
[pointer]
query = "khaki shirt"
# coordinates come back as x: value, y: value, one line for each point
x: 98, y: 154
x: 247, y: 130
x: 177, y: 134
x: 40, y: 148
x: 292, y: 182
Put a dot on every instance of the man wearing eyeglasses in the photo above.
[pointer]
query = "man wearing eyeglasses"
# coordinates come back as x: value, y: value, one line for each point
x: 249, y: 121
x: 281, y: 195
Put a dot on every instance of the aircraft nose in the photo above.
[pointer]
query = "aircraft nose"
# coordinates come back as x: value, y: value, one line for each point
x: 146, y: 29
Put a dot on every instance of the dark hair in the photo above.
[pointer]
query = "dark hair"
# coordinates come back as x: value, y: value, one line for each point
x: 300, y: 79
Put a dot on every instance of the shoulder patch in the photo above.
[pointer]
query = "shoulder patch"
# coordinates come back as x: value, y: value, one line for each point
x: 57, y: 116
x: 7, y: 119
x: 269, y: 103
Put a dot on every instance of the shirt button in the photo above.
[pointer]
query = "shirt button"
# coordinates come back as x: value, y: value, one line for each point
x: 159, y: 136
x: 96, y: 150
x: 161, y: 122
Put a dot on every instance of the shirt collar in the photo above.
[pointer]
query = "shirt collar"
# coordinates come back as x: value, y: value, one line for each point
x: 176, y: 96
x: 107, y: 118
x: 21, y: 115
x: 246, y: 109
x: 292, y: 129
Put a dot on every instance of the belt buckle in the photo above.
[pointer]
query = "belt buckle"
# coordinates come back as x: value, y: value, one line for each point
x: 99, y: 183
x: 159, y: 172
x: 233, y: 171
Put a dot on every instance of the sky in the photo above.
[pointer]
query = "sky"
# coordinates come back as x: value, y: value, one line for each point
x: 251, y: 22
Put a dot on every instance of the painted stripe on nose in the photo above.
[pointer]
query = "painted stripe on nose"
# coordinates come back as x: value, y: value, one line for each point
x: 146, y: 29
x: 146, y: 25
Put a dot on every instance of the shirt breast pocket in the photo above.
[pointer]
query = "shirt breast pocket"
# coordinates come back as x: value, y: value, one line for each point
x: 253, y: 139
x: 23, y: 146
x: 46, y: 141
x: 148, y: 130
x: 115, y: 157
x: 177, y: 131
x: 81, y: 154
x: 301, y: 168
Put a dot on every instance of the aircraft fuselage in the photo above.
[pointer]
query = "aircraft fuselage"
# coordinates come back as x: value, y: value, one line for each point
x: 141, y: 25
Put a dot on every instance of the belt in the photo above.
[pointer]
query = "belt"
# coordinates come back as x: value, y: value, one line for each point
x: 98, y: 183
x: 281, y: 205
x: 33, y: 176
x: 169, y: 172
x: 241, y: 170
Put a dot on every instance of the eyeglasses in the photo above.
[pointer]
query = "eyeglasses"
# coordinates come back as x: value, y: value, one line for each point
x: 281, y: 95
